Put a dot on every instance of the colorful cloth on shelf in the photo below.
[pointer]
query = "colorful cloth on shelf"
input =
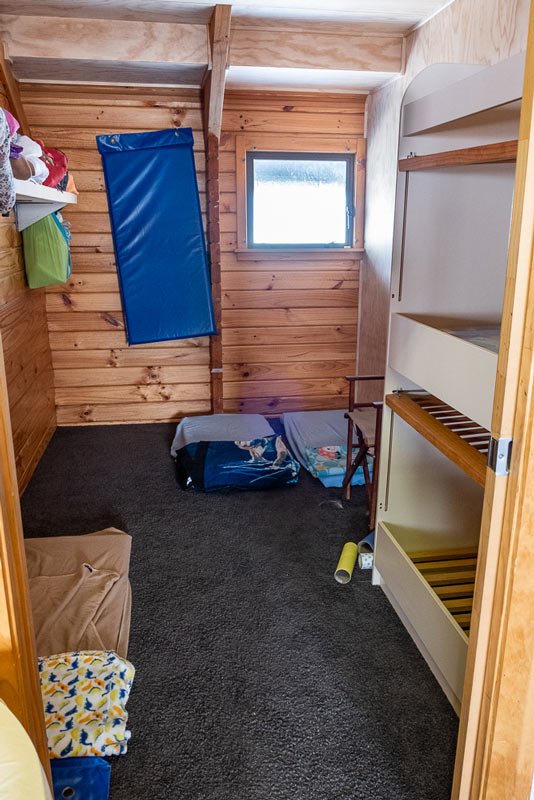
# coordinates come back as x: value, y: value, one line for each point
x: 7, y: 187
x: 329, y: 464
x: 84, y: 698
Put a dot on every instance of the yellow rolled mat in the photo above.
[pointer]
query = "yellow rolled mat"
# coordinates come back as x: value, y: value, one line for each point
x: 345, y: 565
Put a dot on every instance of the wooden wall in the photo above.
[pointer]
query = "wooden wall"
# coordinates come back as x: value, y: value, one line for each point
x: 26, y: 352
x: 289, y: 326
x: 98, y: 378
x: 467, y: 31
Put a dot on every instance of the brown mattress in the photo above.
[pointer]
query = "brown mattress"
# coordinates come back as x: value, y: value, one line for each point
x: 80, y: 592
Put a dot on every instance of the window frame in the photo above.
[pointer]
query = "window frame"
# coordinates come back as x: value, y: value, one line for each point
x: 305, y: 144
x: 265, y: 155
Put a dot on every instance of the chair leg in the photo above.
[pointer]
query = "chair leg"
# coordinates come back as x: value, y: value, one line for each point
x: 376, y: 462
x: 348, y: 475
x: 368, y: 483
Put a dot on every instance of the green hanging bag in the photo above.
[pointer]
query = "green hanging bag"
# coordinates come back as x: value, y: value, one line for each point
x: 47, y: 251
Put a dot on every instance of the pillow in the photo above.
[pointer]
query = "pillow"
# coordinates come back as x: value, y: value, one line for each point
x: 84, y: 698
x: 254, y: 464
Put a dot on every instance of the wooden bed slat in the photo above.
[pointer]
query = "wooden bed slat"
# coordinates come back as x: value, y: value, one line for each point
x: 437, y: 555
x: 455, y: 590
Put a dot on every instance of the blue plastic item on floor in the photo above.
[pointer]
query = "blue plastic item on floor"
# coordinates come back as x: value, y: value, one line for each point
x: 158, y: 238
x: 84, y: 778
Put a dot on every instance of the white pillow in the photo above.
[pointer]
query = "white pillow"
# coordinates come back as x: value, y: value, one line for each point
x: 21, y: 773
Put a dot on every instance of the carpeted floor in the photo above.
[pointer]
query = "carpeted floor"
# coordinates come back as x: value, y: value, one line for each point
x: 258, y: 677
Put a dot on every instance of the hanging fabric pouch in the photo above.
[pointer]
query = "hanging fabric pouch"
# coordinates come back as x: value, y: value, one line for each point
x: 47, y: 251
x: 83, y: 778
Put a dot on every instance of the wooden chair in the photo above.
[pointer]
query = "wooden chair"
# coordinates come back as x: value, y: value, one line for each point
x: 364, y: 423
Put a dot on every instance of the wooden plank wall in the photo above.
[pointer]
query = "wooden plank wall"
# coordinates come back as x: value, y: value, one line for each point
x: 28, y: 365
x: 98, y: 378
x: 289, y: 324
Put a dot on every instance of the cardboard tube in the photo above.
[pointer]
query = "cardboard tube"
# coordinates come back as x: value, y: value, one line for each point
x: 345, y: 565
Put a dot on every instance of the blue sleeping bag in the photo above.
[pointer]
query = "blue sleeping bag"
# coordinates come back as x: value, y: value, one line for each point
x: 256, y: 464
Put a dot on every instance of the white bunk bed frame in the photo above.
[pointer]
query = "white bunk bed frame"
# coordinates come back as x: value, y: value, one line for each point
x: 457, y: 149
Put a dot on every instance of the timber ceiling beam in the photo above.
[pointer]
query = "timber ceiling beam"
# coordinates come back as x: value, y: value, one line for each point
x: 216, y: 79
x: 263, y: 47
x: 71, y: 41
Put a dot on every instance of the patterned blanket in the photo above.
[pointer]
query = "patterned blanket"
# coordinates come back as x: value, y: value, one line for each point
x: 84, y: 698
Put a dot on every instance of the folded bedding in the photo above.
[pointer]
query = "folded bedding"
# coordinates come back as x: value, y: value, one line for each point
x: 244, y: 464
x: 220, y: 428
x: 318, y: 439
x: 329, y: 465
x: 80, y: 592
x: 84, y: 699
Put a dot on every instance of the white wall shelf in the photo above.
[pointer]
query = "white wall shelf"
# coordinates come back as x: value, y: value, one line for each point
x: 34, y: 201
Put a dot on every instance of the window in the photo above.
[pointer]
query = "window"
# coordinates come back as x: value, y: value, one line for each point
x: 298, y: 193
x: 299, y: 199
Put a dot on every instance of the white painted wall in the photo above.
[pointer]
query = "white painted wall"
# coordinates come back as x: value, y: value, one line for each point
x: 468, y: 31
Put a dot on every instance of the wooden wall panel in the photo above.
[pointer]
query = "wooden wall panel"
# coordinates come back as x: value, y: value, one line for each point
x: 98, y: 378
x: 289, y: 323
x: 467, y: 31
x: 28, y: 363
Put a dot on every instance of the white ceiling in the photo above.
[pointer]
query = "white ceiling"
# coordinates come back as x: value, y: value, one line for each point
x: 304, y: 80
x: 398, y: 15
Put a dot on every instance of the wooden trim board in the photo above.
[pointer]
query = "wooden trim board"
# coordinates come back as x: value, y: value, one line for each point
x: 483, y: 154
x: 435, y: 426
x: 19, y: 679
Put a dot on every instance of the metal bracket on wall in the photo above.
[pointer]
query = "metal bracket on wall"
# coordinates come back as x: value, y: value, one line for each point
x: 28, y: 213
x: 499, y: 455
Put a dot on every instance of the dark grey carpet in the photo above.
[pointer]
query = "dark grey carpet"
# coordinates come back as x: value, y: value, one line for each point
x: 258, y: 677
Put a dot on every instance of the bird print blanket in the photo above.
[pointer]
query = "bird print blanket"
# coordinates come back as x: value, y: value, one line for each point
x: 84, y: 697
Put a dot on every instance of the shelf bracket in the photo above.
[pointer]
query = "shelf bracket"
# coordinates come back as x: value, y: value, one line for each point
x: 499, y: 455
x: 28, y: 213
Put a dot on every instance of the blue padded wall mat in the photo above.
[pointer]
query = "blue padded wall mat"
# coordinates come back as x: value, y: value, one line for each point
x: 158, y: 236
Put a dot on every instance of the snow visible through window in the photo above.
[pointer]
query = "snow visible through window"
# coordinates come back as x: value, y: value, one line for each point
x: 300, y: 201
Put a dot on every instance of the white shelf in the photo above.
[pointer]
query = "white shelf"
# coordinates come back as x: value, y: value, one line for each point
x: 34, y: 201
x: 487, y: 88
x: 453, y: 359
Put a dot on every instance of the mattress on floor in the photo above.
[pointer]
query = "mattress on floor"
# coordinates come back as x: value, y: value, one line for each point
x: 231, y: 451
x: 80, y: 592
x: 318, y: 439
x: 220, y: 428
x: 314, y: 429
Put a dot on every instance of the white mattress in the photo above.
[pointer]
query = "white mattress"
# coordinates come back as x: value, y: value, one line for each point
x: 314, y: 429
x: 220, y: 428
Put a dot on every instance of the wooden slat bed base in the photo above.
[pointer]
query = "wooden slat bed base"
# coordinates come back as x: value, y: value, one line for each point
x: 451, y: 575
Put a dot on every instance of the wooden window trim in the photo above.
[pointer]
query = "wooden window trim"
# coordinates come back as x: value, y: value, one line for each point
x: 245, y: 142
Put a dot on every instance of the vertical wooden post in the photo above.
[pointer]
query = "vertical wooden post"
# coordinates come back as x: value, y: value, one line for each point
x: 213, y: 108
x: 214, y: 247
x: 495, y: 755
x: 19, y: 679
x: 12, y: 91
